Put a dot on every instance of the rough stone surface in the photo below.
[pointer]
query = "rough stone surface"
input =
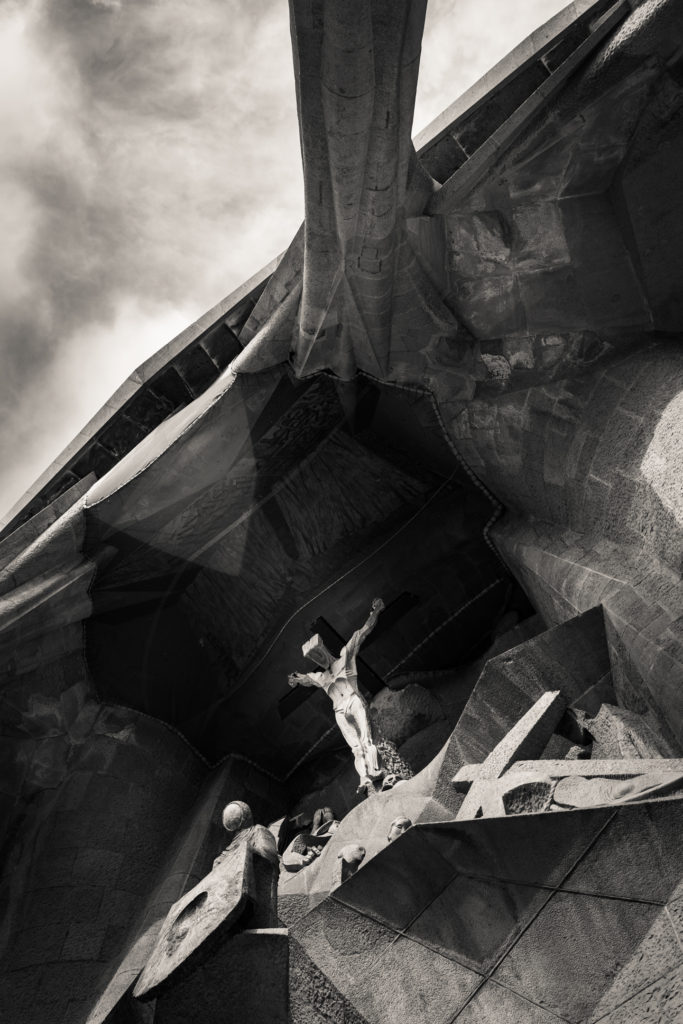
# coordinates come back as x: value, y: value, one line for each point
x: 424, y: 745
x: 313, y: 998
x: 246, y: 979
x: 401, y: 714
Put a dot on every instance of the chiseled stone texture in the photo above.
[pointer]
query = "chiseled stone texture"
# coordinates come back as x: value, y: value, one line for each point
x: 313, y: 999
x: 86, y: 859
x: 565, y: 573
x: 584, y: 955
x: 400, y: 714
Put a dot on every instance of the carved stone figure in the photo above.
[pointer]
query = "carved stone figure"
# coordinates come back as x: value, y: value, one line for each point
x: 305, y: 847
x: 339, y: 680
x: 351, y: 857
x: 398, y: 827
x: 240, y: 892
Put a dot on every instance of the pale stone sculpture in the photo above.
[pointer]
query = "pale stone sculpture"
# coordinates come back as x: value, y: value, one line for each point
x: 351, y: 856
x: 506, y: 784
x: 305, y: 847
x: 239, y: 892
x: 398, y: 827
x: 339, y: 680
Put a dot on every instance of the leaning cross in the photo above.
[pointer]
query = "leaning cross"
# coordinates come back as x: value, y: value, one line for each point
x: 514, y: 762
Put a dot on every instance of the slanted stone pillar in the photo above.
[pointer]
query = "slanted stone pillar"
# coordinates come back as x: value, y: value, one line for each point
x: 244, y: 980
x: 220, y: 957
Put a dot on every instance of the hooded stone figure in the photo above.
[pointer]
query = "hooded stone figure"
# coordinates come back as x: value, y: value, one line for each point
x: 240, y: 892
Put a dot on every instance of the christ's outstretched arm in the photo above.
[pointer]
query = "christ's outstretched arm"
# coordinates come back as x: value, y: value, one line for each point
x: 353, y: 646
x: 302, y: 679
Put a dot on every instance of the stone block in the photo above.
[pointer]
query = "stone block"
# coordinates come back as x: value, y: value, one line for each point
x: 539, y: 237
x: 38, y: 944
x: 496, y: 1004
x: 552, y: 301
x: 96, y: 866
x: 83, y: 941
x: 491, y: 306
x: 396, y: 990
x: 538, y: 850
x: 67, y: 904
x: 313, y: 999
x: 637, y: 856
x: 584, y: 952
x: 411, y: 874
x: 246, y: 979
x: 476, y: 920
x: 344, y: 944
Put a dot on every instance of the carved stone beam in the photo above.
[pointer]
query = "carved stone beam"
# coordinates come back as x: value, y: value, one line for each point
x: 360, y: 288
x: 356, y: 65
x: 610, y: 768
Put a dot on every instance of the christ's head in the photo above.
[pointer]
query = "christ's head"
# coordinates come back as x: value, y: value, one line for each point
x: 315, y: 650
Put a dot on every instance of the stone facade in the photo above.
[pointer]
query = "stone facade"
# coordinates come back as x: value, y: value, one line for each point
x: 482, y: 425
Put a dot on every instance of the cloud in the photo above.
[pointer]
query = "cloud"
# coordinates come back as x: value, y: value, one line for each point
x: 150, y: 164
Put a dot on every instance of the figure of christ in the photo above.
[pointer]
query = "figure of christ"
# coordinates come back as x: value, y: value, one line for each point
x: 339, y: 680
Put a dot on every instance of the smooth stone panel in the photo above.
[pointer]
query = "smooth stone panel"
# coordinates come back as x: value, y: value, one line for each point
x: 397, y: 887
x: 474, y: 921
x: 532, y: 849
x: 495, y: 1004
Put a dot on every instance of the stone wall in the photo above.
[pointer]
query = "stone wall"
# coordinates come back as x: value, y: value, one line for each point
x: 88, y: 847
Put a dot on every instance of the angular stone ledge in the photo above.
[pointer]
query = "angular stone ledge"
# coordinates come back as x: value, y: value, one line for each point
x: 164, y: 383
x: 513, y: 79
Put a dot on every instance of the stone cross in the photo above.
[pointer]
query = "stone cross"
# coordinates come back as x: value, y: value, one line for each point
x: 513, y: 768
x: 527, y: 738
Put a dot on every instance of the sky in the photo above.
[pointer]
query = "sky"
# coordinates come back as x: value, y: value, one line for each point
x: 149, y: 165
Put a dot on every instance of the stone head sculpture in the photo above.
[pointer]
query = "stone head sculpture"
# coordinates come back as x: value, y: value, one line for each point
x: 398, y: 827
x: 237, y: 815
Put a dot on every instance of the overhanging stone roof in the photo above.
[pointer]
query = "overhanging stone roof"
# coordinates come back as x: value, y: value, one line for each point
x: 458, y: 139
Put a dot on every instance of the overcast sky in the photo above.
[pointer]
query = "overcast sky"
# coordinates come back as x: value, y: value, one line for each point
x: 150, y: 164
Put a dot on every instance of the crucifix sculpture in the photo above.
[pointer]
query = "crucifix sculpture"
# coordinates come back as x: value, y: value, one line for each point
x: 339, y: 680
